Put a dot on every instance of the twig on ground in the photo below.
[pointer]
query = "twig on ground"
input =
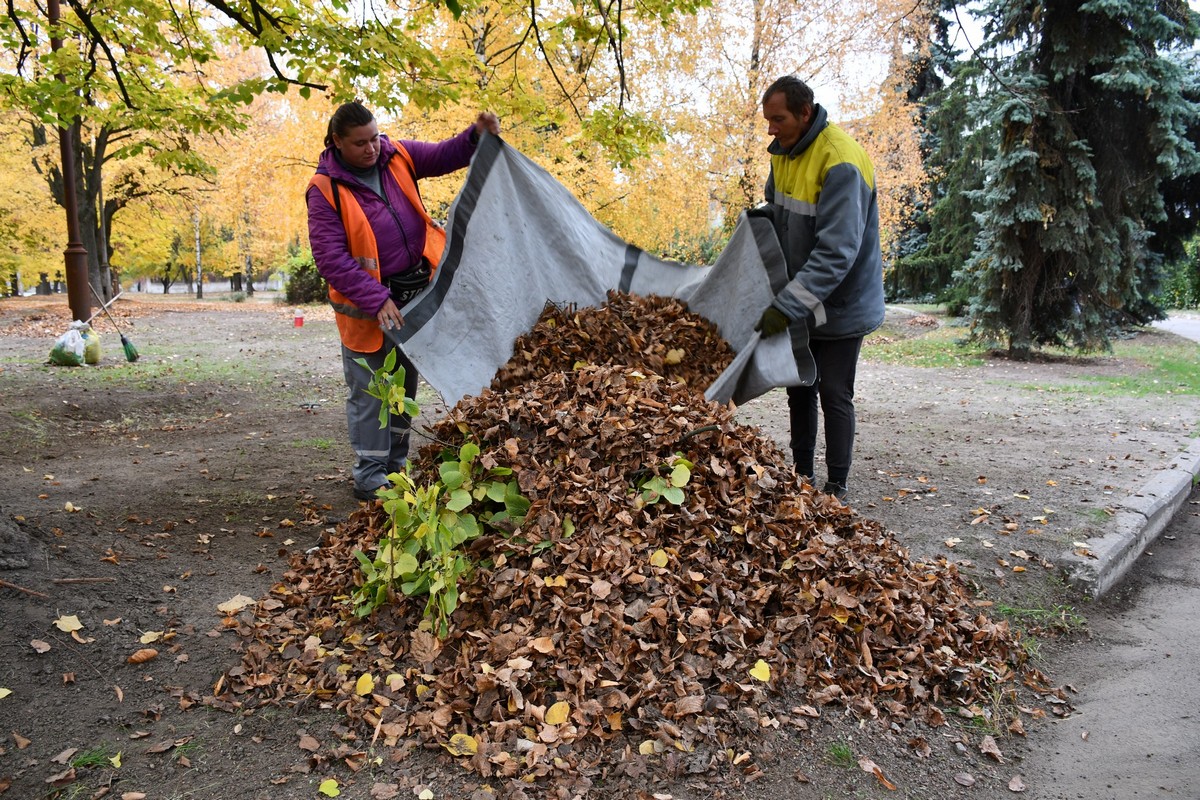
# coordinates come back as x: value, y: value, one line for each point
x: 6, y: 585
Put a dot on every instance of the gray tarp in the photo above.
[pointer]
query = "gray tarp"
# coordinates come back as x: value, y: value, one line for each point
x: 517, y: 238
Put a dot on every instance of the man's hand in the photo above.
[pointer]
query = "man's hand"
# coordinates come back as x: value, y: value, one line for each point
x: 771, y: 322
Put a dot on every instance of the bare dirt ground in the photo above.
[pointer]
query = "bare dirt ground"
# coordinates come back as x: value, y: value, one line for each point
x: 143, y: 496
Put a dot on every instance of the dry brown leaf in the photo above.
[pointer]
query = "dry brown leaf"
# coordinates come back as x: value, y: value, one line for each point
x: 988, y: 748
x: 142, y: 656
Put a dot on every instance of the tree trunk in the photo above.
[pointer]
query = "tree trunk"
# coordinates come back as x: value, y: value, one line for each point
x: 199, y: 263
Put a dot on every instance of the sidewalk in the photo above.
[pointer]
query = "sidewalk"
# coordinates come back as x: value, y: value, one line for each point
x: 1134, y: 731
x: 1143, y: 515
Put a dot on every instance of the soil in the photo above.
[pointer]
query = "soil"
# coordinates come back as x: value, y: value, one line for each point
x: 138, y: 497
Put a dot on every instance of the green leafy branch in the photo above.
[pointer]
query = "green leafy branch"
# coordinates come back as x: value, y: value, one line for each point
x: 665, y: 483
x: 423, y: 550
x: 387, y: 386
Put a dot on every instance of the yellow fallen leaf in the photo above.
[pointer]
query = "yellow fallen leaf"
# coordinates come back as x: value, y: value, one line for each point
x: 558, y: 713
x: 364, y: 685
x: 4, y: 692
x: 649, y: 747
x: 461, y: 744
x: 66, y: 624
x: 674, y: 356
x: 235, y: 604
x: 116, y: 761
x: 150, y: 636
x: 426, y: 794
x: 761, y: 671
x: 329, y: 788
x: 659, y: 558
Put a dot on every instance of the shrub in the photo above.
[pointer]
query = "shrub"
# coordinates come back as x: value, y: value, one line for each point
x: 304, y: 283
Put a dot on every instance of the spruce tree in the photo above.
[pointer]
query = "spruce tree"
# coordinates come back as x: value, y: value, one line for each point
x: 1090, y: 120
x: 939, y: 235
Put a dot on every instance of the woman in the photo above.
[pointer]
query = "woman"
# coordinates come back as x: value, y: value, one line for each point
x: 376, y: 246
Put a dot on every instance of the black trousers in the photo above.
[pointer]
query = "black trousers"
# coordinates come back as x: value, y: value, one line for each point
x: 837, y: 362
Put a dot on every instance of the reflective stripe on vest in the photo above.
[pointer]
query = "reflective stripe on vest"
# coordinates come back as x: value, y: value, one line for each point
x: 360, y: 331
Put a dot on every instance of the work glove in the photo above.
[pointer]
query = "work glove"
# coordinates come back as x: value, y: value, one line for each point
x: 771, y: 322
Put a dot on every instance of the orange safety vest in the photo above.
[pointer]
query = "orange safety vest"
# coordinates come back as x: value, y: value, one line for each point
x: 360, y: 331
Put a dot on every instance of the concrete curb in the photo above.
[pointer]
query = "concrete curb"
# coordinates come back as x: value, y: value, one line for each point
x: 1140, y: 518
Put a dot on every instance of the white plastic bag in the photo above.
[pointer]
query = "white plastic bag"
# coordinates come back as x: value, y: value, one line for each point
x: 69, y: 348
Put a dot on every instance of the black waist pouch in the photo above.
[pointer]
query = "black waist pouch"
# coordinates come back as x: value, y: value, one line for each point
x: 406, y: 285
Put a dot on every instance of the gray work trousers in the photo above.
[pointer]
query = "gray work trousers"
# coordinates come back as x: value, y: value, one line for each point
x: 378, y: 451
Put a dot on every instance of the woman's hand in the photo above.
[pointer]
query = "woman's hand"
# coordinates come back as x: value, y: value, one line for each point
x: 487, y: 121
x: 389, y: 316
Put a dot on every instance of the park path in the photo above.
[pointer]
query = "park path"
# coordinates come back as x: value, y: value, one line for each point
x: 1135, y: 732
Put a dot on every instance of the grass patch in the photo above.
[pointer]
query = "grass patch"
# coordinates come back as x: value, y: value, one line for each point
x: 158, y: 371
x: 840, y: 755
x: 1169, y: 366
x: 28, y: 425
x: 935, y: 348
x: 1056, y: 619
x: 316, y: 443
x: 1163, y: 365
x: 95, y: 757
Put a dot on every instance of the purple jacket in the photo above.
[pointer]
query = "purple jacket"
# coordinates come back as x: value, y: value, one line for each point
x: 399, y: 230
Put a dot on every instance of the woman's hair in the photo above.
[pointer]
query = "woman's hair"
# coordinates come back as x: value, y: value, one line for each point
x: 796, y: 92
x: 347, y: 116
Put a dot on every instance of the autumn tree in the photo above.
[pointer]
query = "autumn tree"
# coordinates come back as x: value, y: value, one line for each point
x: 143, y: 65
x: 32, y: 239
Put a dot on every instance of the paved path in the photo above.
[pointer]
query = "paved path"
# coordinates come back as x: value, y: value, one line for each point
x: 1135, y: 732
x: 1183, y: 323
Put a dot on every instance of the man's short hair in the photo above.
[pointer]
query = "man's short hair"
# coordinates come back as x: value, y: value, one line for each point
x: 798, y: 95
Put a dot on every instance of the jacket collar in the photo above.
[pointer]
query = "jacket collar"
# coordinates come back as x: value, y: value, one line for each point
x: 329, y: 164
x: 819, y: 123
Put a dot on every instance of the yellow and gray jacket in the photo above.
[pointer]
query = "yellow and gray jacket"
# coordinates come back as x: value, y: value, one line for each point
x: 822, y: 199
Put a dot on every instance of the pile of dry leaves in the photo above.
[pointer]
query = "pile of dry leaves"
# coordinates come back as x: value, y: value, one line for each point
x: 654, y: 334
x: 609, y: 636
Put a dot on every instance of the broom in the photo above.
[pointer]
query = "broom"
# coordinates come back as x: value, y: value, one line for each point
x: 131, y: 353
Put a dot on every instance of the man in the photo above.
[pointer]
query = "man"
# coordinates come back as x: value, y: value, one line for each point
x: 821, y: 197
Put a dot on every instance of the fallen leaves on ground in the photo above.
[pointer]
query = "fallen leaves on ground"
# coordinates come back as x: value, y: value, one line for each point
x: 604, y: 623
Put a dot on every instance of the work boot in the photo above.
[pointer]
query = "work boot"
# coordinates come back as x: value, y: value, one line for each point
x: 368, y: 495
x: 838, y: 490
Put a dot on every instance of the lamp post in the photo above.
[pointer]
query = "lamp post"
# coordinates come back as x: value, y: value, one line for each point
x: 75, y: 256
